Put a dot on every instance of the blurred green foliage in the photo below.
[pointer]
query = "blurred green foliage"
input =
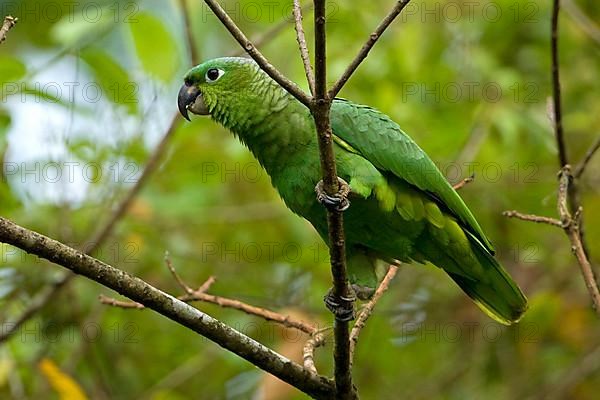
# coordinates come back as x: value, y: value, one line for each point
x: 469, y: 81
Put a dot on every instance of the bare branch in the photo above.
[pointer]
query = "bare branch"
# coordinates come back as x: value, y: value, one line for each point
x: 568, y: 188
x: 571, y: 225
x: 207, y: 284
x: 583, y: 22
x: 188, y: 32
x: 533, y: 218
x: 586, y: 159
x: 310, y: 78
x: 166, y: 305
x: 572, y: 228
x: 364, y: 51
x: 464, y: 182
x: 180, y: 282
x: 7, y: 25
x: 111, y: 301
x: 556, y: 106
x: 265, y: 37
x: 253, y: 52
x: 200, y: 295
x: 343, y: 298
x: 370, y: 306
x: 309, y: 351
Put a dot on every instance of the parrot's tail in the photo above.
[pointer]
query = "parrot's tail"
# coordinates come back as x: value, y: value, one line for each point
x: 497, y: 295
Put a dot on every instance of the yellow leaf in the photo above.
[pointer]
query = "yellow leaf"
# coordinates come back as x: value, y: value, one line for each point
x: 63, y: 384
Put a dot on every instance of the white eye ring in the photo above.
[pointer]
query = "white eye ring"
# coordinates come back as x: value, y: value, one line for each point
x: 210, y: 75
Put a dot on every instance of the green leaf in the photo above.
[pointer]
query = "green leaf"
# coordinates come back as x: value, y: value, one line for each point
x: 114, y: 80
x: 155, y: 47
x: 75, y: 29
x: 11, y: 70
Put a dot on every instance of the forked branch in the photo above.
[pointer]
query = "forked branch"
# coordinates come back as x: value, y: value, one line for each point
x: 168, y: 306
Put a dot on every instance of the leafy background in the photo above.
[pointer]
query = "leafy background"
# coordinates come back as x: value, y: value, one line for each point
x: 88, y: 90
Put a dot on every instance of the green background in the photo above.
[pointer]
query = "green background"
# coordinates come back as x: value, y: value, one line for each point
x: 469, y: 81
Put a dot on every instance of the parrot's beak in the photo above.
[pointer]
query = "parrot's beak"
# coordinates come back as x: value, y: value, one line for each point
x: 190, y: 98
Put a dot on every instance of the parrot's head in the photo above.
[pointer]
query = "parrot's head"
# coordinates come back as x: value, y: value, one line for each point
x: 220, y: 81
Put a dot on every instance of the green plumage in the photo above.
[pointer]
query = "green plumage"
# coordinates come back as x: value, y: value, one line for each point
x: 402, y: 207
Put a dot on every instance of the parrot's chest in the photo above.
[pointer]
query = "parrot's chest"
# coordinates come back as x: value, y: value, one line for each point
x: 295, y: 181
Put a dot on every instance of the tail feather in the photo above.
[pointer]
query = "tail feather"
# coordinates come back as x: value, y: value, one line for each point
x: 498, y: 295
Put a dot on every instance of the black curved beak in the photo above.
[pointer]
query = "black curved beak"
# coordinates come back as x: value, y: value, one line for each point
x: 187, y: 96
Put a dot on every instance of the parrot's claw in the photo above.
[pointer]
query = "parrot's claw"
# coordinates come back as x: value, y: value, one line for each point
x: 342, y: 307
x: 337, y: 202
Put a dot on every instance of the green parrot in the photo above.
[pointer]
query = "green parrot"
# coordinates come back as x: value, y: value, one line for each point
x: 402, y: 208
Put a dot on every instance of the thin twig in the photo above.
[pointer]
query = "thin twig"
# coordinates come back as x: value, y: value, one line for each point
x: 556, y: 106
x: 180, y: 282
x: 532, y: 218
x: 111, y: 301
x: 370, y: 306
x: 263, y: 38
x: 200, y: 295
x: 364, y: 51
x: 268, y: 315
x: 207, y: 284
x: 571, y: 225
x: 168, y: 306
x: 188, y: 32
x: 310, y: 78
x: 571, y: 191
x: 253, y: 52
x: 583, y: 22
x: 586, y: 159
x: 308, y: 351
x: 463, y: 182
x: 7, y: 25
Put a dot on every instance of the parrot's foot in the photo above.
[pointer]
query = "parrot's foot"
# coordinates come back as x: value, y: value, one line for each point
x: 337, y: 202
x: 342, y: 307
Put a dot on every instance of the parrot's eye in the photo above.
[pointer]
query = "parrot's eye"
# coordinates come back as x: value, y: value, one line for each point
x: 213, y: 74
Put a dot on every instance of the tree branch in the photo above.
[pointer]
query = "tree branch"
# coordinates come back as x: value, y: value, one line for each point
x: 370, y: 306
x: 586, y: 159
x: 310, y: 78
x: 188, y: 33
x: 7, y: 25
x: 201, y: 295
x: 308, y: 351
x: 464, y: 182
x: 556, y: 105
x: 364, y: 51
x: 572, y: 228
x: 269, y: 34
x: 335, y: 222
x: 533, y: 218
x: 168, y: 306
x: 572, y: 206
x: 253, y: 52
x: 571, y: 225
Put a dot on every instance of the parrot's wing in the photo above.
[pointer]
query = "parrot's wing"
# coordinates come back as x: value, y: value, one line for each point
x: 381, y: 141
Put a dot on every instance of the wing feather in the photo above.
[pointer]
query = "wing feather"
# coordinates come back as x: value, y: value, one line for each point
x: 381, y: 141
